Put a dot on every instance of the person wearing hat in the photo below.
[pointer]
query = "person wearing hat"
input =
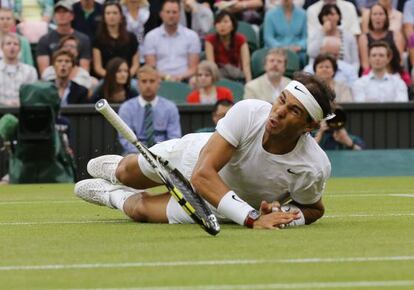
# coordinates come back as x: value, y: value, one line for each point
x: 48, y: 43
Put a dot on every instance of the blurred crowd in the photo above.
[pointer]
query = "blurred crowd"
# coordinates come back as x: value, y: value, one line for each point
x: 204, y: 51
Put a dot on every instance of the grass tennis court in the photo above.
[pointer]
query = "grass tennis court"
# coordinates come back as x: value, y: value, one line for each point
x: 49, y: 239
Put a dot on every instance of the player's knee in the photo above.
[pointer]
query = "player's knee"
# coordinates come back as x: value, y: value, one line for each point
x: 139, y: 211
x: 123, y: 171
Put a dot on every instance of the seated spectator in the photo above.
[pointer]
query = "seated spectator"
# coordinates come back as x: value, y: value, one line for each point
x: 349, y: 23
x: 332, y: 134
x: 269, y: 86
x: 33, y: 17
x: 408, y: 19
x: 207, y: 93
x: 8, y: 24
x: 137, y: 13
x: 270, y: 4
x: 395, y: 17
x: 172, y: 48
x: 87, y: 14
x: 152, y: 117
x: 330, y: 18
x: 285, y: 27
x: 219, y: 111
x: 70, y: 92
x: 325, y: 67
x: 345, y: 73
x: 379, y: 31
x: 228, y: 48
x: 380, y: 86
x: 247, y: 10
x: 113, y: 40
x: 48, y: 43
x: 13, y: 73
x: 196, y: 16
x: 79, y: 75
x: 116, y: 86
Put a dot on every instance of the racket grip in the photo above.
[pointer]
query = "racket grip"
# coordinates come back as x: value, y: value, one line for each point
x: 105, y: 109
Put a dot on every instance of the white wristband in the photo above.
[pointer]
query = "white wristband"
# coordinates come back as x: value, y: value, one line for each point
x: 234, y: 208
x: 294, y: 223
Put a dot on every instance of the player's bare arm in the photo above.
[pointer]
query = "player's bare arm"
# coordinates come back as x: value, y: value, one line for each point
x: 311, y: 212
x: 205, y: 179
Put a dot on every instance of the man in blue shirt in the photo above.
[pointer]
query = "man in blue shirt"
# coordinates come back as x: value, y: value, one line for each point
x: 152, y: 118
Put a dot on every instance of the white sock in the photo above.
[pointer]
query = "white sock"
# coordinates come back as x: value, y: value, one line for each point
x: 118, y: 197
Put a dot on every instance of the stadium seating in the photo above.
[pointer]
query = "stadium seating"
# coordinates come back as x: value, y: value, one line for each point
x: 258, y: 59
x: 235, y: 87
x: 174, y: 91
x: 247, y: 30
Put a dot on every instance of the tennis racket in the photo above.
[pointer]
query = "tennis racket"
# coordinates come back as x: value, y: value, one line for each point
x: 177, y: 185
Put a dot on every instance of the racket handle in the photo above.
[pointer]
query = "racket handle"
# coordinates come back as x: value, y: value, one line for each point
x: 105, y: 109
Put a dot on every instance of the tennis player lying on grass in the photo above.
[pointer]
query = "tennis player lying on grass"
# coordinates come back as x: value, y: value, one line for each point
x: 261, y: 156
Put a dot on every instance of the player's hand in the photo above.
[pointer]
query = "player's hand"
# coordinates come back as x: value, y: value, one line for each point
x: 268, y: 207
x: 275, y: 220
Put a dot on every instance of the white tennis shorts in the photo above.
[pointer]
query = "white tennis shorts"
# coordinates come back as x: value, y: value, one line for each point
x: 182, y: 154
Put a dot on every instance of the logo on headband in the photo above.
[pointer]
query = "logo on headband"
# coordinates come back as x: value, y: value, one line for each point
x: 296, y: 87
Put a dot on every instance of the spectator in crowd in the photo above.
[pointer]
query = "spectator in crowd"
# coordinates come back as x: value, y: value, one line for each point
x: 325, y: 68
x: 269, y: 86
x: 69, y: 92
x: 207, y: 93
x: 345, y: 73
x: 219, y: 111
x: 13, y: 73
x: 87, y: 14
x: 33, y: 18
x: 113, y: 39
x: 172, y: 48
x: 349, y: 23
x: 395, y: 17
x: 137, y: 13
x: 332, y: 134
x: 228, y: 48
x: 116, y: 86
x: 379, y: 85
x: 270, y: 4
x: 48, y: 43
x: 8, y: 24
x: 247, y: 10
x: 285, y: 27
x: 196, y: 16
x: 152, y: 117
x: 79, y: 75
x: 379, y: 31
x: 330, y: 18
x: 408, y: 26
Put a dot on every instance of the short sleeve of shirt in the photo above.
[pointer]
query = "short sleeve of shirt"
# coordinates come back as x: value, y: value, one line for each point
x: 310, y: 187
x: 150, y: 45
x: 241, y: 120
x: 42, y: 46
x: 408, y: 12
x: 194, y: 42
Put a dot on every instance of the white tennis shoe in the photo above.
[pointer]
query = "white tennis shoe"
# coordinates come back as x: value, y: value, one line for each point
x: 104, y: 167
x: 98, y: 191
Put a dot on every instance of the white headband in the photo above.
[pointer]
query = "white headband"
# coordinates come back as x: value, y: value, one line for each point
x: 306, y: 98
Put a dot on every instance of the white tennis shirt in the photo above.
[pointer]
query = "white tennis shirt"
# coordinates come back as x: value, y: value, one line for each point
x: 255, y: 174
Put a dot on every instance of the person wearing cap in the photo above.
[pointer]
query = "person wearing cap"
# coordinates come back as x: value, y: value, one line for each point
x: 48, y: 43
x: 260, y: 158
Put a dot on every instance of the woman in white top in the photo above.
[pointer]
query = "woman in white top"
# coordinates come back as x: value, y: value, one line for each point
x: 137, y: 14
x: 330, y: 19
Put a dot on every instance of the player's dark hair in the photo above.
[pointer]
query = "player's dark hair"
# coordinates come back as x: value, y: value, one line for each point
x: 322, y: 93
x: 225, y: 102
x: 326, y: 10
x: 325, y: 56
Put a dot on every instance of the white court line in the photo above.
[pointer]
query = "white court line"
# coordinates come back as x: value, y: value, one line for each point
x: 17, y: 202
x: 304, y: 285
x: 205, y: 263
x: 64, y: 222
x: 127, y: 220
x: 402, y: 195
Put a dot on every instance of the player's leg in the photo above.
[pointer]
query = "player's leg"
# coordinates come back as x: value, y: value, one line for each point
x: 133, y: 170
x: 146, y: 208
